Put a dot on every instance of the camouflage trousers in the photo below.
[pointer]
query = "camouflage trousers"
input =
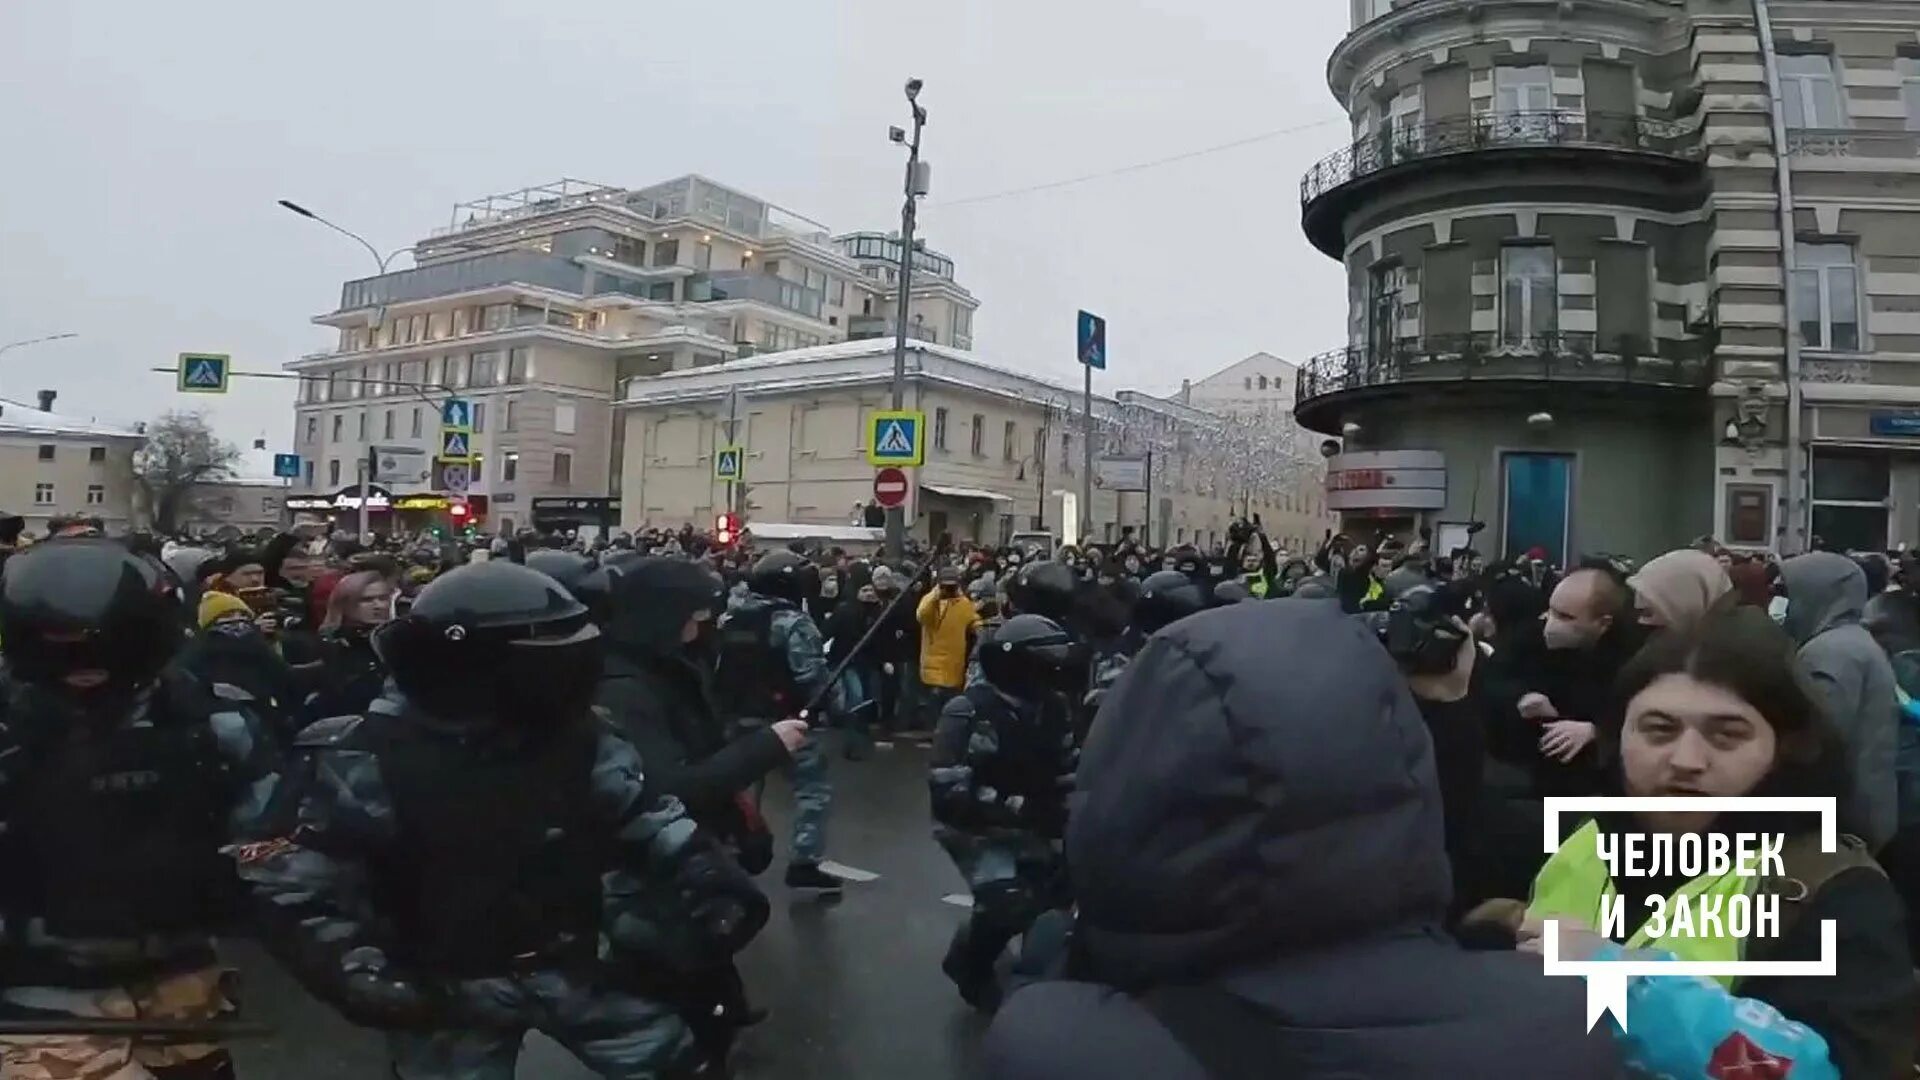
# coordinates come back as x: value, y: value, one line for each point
x: 617, y: 1035
x: 193, y: 995
x: 812, y: 798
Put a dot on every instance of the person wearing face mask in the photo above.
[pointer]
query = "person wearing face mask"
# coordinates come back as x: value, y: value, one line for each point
x: 948, y: 621
x: 448, y: 887
x: 122, y: 784
x: 1589, y: 635
x: 1675, y: 591
x: 230, y: 650
x: 1720, y: 709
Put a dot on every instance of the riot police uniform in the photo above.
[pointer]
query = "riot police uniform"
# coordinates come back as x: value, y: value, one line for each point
x: 1003, y: 761
x: 1166, y: 597
x: 123, y: 787
x: 446, y: 879
x: 772, y: 662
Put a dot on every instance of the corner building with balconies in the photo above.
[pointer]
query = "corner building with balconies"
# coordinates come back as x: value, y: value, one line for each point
x: 1561, y: 223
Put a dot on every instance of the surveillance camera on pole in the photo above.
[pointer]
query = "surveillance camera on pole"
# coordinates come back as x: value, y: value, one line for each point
x: 898, y: 135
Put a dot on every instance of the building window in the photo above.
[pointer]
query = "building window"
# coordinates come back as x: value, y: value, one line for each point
x: 1850, y: 490
x: 1529, y: 295
x: 666, y: 253
x: 510, y: 420
x: 97, y: 455
x: 976, y: 441
x: 474, y: 476
x: 386, y: 425
x: 517, y: 365
x: 479, y: 417
x: 96, y: 494
x: 771, y: 267
x: 1522, y: 90
x: 309, y: 474
x: 661, y: 291
x: 361, y: 425
x: 1066, y: 451
x: 338, y: 419
x: 939, y: 429
x: 1007, y: 437
x: 43, y: 494
x: 413, y: 429
x: 1826, y: 296
x: 313, y: 429
x: 1808, y: 91
x: 269, y: 505
x: 564, y: 419
x: 1749, y: 515
x: 510, y: 467
x: 46, y: 451
x: 1910, y: 90
x: 562, y: 467
x: 703, y: 256
x: 481, y: 369
x: 333, y: 471
x: 629, y: 250
x: 837, y: 292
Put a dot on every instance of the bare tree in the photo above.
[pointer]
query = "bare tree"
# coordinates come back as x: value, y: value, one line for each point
x: 181, y: 453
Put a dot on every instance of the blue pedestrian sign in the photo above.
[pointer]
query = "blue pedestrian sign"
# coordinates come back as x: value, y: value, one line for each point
x: 286, y: 466
x: 456, y: 446
x: 204, y: 373
x: 895, y: 438
x: 456, y: 414
x: 730, y: 464
x: 1093, y: 340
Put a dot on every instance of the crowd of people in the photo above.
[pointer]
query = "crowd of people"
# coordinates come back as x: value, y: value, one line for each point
x: 1223, y: 814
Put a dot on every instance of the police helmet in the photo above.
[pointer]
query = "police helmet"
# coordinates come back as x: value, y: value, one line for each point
x: 87, y: 604
x: 785, y: 575
x: 493, y: 639
x: 1231, y: 592
x: 579, y: 574
x: 1166, y: 597
x: 1029, y: 655
x: 1046, y: 588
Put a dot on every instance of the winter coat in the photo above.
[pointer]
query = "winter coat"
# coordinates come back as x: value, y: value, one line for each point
x: 1257, y: 811
x: 944, y: 626
x: 1826, y: 594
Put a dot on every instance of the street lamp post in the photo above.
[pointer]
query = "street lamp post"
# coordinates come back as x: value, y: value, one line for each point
x: 24, y: 342
x: 379, y: 260
x: 916, y: 186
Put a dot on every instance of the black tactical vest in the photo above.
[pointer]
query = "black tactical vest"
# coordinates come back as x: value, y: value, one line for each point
x: 753, y: 680
x: 498, y: 861
x: 120, y: 830
x: 1033, y: 753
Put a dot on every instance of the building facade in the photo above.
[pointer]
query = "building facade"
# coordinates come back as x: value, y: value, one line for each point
x: 1569, y: 228
x: 1004, y: 450
x: 54, y: 466
x: 539, y: 305
x: 246, y: 501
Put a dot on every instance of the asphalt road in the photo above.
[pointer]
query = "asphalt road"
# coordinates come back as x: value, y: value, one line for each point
x: 854, y: 986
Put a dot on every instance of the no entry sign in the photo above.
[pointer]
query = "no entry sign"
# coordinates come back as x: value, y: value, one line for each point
x: 890, y: 487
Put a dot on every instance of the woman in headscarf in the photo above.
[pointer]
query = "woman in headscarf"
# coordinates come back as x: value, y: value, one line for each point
x: 1677, y: 590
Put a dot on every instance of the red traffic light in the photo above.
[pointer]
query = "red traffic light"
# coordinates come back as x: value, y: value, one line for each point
x: 726, y: 529
x: 458, y: 510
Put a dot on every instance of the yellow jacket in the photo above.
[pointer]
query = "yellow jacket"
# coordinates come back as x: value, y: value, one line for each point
x: 944, y: 625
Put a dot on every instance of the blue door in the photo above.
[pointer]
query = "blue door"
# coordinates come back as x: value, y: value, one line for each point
x: 1537, y: 503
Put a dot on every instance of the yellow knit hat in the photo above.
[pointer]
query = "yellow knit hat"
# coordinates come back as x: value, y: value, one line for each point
x: 215, y: 606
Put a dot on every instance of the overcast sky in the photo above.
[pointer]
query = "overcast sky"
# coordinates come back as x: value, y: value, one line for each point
x: 142, y: 147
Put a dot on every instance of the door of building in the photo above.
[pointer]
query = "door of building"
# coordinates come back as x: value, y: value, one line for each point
x: 1536, y: 504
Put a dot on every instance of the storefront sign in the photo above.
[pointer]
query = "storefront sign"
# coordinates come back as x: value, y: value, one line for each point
x: 421, y: 502
x: 347, y: 498
x: 1391, y: 480
x: 1894, y: 423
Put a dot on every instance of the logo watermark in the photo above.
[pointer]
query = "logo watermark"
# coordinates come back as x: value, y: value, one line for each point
x: 1650, y: 853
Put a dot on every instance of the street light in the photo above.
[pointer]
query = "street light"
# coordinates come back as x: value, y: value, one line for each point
x: 37, y: 340
x: 916, y: 186
x: 378, y: 259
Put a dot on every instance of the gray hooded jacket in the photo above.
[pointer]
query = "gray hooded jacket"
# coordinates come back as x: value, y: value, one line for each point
x: 1852, y: 678
x: 1257, y: 809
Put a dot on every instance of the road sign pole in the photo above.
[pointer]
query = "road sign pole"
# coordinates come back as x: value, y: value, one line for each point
x: 897, y: 516
x: 1086, y: 477
x: 366, y: 481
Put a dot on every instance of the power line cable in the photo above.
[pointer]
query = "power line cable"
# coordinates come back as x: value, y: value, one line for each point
x: 1139, y: 165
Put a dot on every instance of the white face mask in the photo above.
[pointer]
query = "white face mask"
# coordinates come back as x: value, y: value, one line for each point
x: 1777, y: 609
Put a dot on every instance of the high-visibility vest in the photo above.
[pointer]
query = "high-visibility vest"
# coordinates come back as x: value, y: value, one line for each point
x: 1574, y: 883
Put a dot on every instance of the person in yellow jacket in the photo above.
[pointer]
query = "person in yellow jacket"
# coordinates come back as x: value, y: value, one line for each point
x: 947, y: 622
x: 1721, y: 709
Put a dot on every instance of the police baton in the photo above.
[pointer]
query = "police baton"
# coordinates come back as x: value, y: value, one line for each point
x: 834, y: 673
x: 142, y: 1030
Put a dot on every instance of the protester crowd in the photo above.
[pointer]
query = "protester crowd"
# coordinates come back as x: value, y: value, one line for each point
x: 1226, y: 813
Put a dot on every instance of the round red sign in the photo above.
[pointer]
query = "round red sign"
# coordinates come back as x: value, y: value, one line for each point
x: 890, y: 487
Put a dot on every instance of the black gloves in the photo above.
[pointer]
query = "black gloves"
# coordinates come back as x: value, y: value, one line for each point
x: 725, y: 906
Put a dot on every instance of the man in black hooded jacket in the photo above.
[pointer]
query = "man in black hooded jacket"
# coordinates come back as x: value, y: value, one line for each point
x: 1256, y: 849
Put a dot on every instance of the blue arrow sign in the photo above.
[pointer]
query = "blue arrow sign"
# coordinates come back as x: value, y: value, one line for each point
x: 286, y: 466
x: 1093, y: 341
x: 456, y: 414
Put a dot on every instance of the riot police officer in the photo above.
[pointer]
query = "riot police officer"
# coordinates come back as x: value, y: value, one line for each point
x: 1166, y: 597
x: 446, y: 880
x: 1046, y: 588
x: 121, y: 782
x: 772, y: 663
x: 1003, y: 761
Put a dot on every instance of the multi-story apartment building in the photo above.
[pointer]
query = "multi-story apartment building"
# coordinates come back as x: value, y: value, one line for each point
x: 1004, y: 449
x: 539, y: 304
x: 1623, y: 272
x: 54, y: 466
x: 1258, y: 391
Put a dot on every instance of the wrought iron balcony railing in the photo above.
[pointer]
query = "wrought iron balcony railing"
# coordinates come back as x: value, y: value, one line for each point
x: 1563, y: 357
x: 1495, y: 131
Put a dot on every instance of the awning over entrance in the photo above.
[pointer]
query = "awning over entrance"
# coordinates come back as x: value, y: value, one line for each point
x: 965, y: 493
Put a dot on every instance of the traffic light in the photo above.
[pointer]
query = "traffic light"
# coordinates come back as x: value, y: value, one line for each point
x: 459, y: 512
x: 726, y: 529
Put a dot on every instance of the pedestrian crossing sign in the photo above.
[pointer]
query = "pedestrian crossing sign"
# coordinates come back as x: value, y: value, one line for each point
x: 730, y: 464
x: 204, y: 373
x: 456, y: 446
x: 894, y: 438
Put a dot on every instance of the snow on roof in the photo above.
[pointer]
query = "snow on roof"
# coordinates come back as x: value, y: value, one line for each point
x: 21, y: 418
x: 846, y: 360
